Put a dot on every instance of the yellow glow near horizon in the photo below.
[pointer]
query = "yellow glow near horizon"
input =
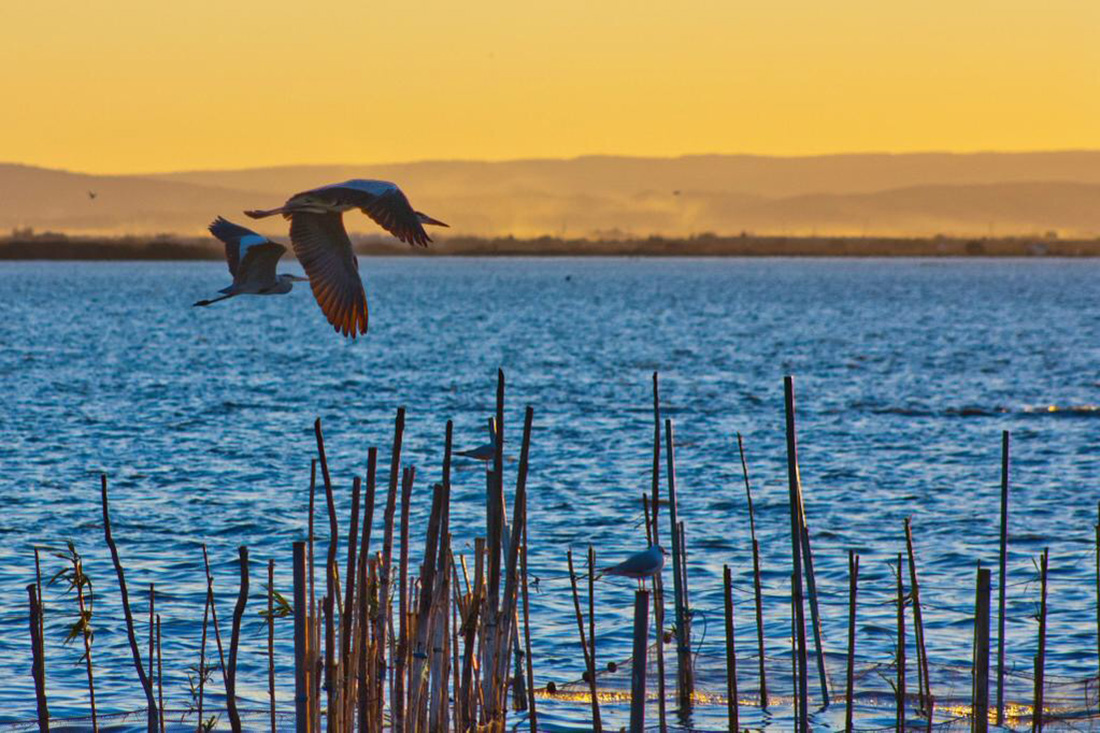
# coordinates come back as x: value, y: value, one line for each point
x: 130, y: 86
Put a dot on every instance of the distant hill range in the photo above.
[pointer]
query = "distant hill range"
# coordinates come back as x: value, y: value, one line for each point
x: 605, y: 197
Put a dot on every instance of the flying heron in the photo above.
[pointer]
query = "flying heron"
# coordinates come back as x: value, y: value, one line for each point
x: 252, y: 259
x: 639, y: 566
x: 322, y: 245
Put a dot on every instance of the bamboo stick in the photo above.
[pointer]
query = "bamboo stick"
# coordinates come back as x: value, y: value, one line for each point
x: 202, y: 661
x: 795, y: 489
x: 42, y: 604
x: 234, y: 643
x: 899, y: 688
x: 1040, y: 659
x: 1003, y: 559
x: 684, y: 677
x: 591, y: 668
x: 152, y: 633
x: 658, y: 585
x: 332, y: 585
x: 731, y: 652
x: 160, y: 678
x: 313, y: 643
x: 853, y: 584
x: 38, y: 667
x: 397, y: 703
x: 146, y: 684
x: 347, y: 612
x: 756, y: 585
x: 532, y: 714
x: 980, y: 702
x: 924, y: 683
x: 271, y: 640
x: 638, y: 662
x: 815, y: 615
x: 302, y: 688
x: 592, y: 607
x: 385, y: 568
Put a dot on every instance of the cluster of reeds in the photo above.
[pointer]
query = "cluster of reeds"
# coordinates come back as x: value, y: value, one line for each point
x: 379, y: 645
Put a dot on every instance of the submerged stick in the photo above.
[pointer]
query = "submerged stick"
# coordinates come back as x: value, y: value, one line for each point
x: 980, y: 701
x: 234, y: 643
x: 1040, y: 659
x: 756, y: 584
x: 591, y: 668
x: 271, y: 640
x: 202, y: 660
x: 1005, y: 440
x: 658, y: 585
x: 731, y: 652
x: 146, y: 684
x: 794, y: 481
x: 302, y: 717
x: 853, y: 583
x: 899, y: 689
x: 160, y: 678
x: 684, y: 678
x: 532, y: 714
x: 38, y: 667
x: 638, y: 660
x: 924, y: 684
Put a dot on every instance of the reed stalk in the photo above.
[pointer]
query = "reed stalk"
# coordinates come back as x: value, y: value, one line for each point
x: 853, y: 585
x: 146, y: 684
x: 1001, y: 587
x: 756, y: 584
x: 795, y: 490
x: 731, y: 652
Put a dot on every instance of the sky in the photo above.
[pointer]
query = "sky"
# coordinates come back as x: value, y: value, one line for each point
x: 127, y: 86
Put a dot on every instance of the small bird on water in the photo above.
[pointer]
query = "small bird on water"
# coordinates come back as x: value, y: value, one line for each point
x: 322, y: 245
x: 252, y: 259
x: 639, y: 566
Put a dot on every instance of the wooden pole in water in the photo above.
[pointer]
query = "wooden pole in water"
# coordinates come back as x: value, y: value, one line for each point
x: 401, y: 660
x: 152, y: 633
x: 980, y: 701
x: 146, y: 684
x: 160, y: 679
x: 1005, y: 443
x: 757, y: 590
x: 38, y: 667
x: 731, y: 652
x: 815, y: 617
x: 658, y: 582
x: 313, y: 642
x: 592, y: 607
x: 532, y: 715
x: 42, y: 613
x: 684, y: 678
x: 1098, y: 582
x: 1040, y: 659
x: 202, y: 661
x: 900, y: 685
x: 234, y: 642
x: 638, y: 661
x: 795, y: 491
x: 348, y: 610
x: 648, y: 521
x: 590, y: 667
x: 924, y: 684
x: 385, y: 569
x: 301, y: 644
x: 853, y: 585
x: 271, y: 640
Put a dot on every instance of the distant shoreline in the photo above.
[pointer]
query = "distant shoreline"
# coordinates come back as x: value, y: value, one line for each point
x: 166, y: 248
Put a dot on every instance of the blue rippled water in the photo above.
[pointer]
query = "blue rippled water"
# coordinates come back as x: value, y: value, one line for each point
x: 906, y: 374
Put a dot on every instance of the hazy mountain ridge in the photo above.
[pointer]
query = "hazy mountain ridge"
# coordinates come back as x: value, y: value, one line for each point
x: 606, y: 196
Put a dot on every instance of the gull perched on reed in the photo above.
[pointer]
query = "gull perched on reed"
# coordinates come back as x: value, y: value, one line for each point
x: 252, y: 259
x: 324, y: 249
x: 639, y: 566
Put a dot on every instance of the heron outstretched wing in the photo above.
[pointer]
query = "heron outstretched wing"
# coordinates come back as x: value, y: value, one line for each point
x: 383, y: 202
x: 322, y: 246
x: 256, y: 271
x: 237, y: 241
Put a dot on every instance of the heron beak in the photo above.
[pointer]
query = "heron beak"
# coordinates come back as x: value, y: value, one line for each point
x: 299, y: 279
x: 425, y: 219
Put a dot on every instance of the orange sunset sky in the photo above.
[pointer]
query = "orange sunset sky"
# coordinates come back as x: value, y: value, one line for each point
x: 132, y: 86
